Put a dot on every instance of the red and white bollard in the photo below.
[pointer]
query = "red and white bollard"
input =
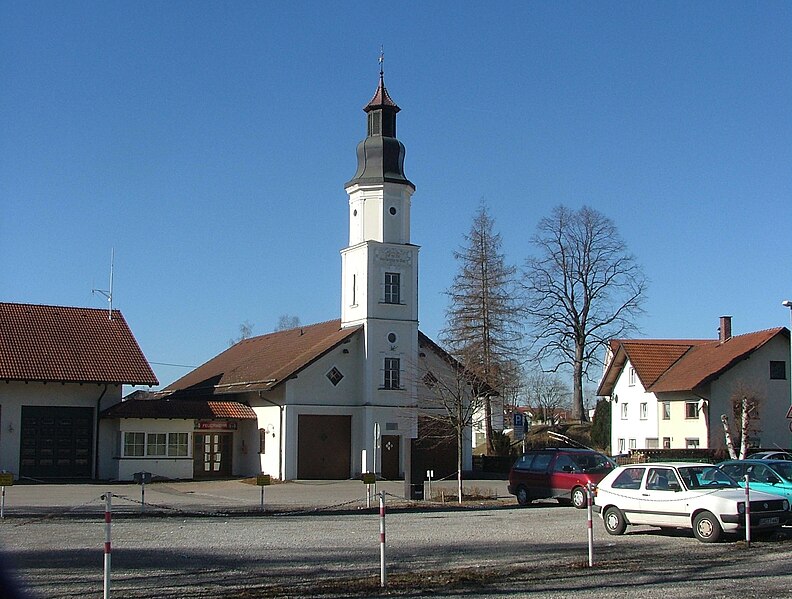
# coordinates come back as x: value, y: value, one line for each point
x: 747, y: 511
x: 383, y: 572
x: 107, y: 544
x: 590, y: 523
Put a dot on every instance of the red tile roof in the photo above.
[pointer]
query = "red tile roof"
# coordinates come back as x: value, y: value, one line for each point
x: 264, y: 362
x: 665, y: 365
x: 64, y: 344
x: 179, y: 408
x: 707, y: 361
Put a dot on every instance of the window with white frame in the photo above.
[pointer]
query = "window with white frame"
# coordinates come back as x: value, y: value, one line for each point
x: 392, y: 288
x: 134, y: 444
x: 666, y: 442
x: 666, y: 410
x: 178, y: 444
x: 156, y: 444
x: 631, y: 377
x: 152, y: 445
x: 391, y: 378
x: 643, y: 410
x: 691, y: 443
x: 652, y: 443
x: 633, y: 444
x: 621, y: 446
x: 624, y: 411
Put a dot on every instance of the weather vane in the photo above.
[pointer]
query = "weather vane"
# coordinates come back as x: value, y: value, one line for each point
x: 382, y: 58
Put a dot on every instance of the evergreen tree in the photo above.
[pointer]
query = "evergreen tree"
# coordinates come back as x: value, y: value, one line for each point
x: 483, y: 319
x: 601, y: 425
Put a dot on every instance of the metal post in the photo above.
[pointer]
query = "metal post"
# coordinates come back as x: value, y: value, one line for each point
x: 2, y: 503
x: 262, y: 498
x: 429, y: 475
x: 142, y: 494
x: 590, y: 501
x: 747, y: 512
x: 383, y: 572
x: 107, y: 545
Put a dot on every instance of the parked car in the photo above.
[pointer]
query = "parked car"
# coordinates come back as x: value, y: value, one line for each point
x: 682, y: 495
x: 557, y: 472
x: 770, y: 476
x: 771, y: 455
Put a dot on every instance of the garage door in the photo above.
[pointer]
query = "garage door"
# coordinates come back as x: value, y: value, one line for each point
x: 324, y: 447
x: 56, y: 442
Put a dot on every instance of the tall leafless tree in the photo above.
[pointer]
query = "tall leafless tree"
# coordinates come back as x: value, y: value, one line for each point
x: 483, y: 319
x: 546, y: 392
x: 582, y: 288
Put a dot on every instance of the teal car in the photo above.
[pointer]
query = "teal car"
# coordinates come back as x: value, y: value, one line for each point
x: 769, y: 476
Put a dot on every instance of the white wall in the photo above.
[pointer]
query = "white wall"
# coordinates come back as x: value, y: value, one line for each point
x: 15, y: 394
x: 633, y: 427
x: 174, y: 468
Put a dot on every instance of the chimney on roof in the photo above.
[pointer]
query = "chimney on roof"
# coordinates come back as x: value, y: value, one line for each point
x: 724, y: 330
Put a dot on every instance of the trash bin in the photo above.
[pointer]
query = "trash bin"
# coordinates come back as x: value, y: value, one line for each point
x: 417, y: 491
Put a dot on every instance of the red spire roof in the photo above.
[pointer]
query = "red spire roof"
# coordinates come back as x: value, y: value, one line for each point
x: 381, y: 98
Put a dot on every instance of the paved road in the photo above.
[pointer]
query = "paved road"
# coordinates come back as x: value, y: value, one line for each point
x: 495, y: 551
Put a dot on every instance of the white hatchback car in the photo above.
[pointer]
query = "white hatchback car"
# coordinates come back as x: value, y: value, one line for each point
x: 683, y: 495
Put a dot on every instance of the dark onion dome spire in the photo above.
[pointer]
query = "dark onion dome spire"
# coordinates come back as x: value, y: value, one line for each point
x: 380, y: 156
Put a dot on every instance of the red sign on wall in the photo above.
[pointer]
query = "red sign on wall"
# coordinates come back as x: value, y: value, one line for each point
x: 216, y: 425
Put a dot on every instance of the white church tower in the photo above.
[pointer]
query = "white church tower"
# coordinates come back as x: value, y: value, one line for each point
x: 380, y: 277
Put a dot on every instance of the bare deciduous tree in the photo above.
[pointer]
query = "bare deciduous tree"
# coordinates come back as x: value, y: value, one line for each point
x: 483, y: 320
x: 287, y: 321
x: 245, y: 331
x: 447, y: 397
x: 745, y: 402
x: 582, y: 289
x: 547, y: 393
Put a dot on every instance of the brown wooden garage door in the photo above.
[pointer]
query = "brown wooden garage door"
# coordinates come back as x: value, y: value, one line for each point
x: 56, y: 442
x: 324, y: 447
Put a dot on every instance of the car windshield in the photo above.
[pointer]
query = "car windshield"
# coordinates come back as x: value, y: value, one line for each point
x: 784, y: 470
x: 706, y: 477
x: 593, y: 463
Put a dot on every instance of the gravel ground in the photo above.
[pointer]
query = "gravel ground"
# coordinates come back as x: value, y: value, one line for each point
x: 494, y: 551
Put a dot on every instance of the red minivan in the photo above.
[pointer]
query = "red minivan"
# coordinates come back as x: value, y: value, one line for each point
x: 557, y: 472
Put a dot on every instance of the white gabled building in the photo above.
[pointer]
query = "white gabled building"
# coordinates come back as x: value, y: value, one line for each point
x: 671, y: 393
x: 330, y: 400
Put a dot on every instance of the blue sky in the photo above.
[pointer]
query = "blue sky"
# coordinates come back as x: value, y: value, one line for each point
x: 209, y: 142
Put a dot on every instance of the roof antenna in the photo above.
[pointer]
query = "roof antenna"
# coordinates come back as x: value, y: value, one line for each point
x: 108, y: 293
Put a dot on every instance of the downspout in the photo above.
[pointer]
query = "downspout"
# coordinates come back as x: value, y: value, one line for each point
x: 280, y: 433
x: 96, y: 436
x: 705, y: 408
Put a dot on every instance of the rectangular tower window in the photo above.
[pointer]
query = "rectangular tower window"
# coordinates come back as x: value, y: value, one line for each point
x: 392, y: 287
x: 391, y: 374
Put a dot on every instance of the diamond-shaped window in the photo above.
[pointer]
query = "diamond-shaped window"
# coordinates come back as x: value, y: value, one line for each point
x: 335, y: 376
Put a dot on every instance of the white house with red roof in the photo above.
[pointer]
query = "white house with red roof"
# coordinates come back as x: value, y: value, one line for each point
x: 330, y: 400
x: 671, y: 394
x: 60, y: 367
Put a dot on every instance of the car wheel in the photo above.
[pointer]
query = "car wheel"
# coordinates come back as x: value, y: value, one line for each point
x: 579, y: 498
x: 615, y: 523
x: 522, y: 496
x: 706, y: 527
